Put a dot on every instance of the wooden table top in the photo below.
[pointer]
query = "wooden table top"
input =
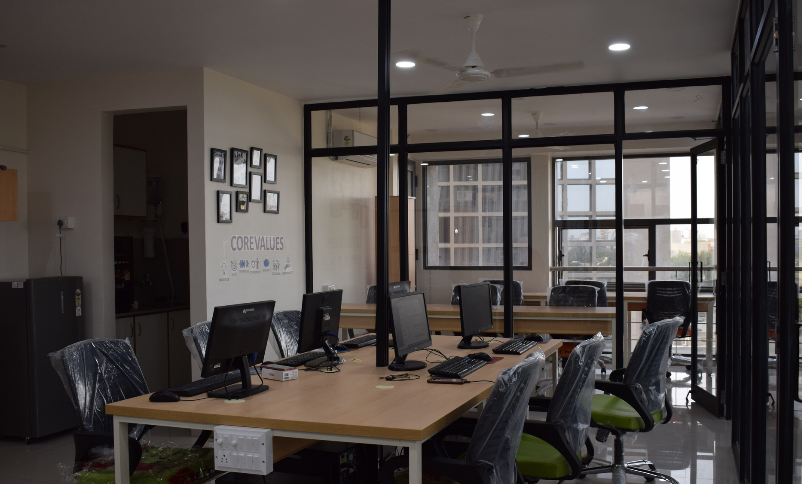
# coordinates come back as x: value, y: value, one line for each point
x: 343, y: 403
x: 498, y: 311
x: 634, y: 296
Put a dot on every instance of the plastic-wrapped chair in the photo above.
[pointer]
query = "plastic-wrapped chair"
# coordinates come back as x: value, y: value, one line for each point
x: 517, y: 290
x: 552, y: 449
x: 286, y: 328
x: 371, y: 297
x: 495, y: 437
x: 670, y: 299
x: 96, y: 372
x: 195, y: 338
x: 634, y: 399
x: 601, y: 300
x: 495, y: 294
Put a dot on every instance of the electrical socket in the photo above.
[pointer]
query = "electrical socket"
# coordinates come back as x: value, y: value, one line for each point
x: 67, y: 222
x: 244, y: 450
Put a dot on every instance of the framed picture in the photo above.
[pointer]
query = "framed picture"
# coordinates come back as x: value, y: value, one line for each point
x: 271, y: 201
x: 256, y: 187
x: 256, y: 157
x: 224, y: 203
x: 242, y: 202
x: 218, y: 158
x: 270, y: 168
x: 239, y: 168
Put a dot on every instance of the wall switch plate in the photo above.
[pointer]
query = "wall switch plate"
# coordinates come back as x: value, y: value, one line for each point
x: 67, y: 222
x: 243, y: 449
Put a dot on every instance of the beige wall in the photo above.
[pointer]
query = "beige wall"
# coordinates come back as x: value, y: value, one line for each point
x: 13, y: 144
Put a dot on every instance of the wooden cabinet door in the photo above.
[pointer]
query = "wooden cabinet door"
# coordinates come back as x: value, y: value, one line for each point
x: 125, y: 329
x: 151, y: 349
x: 180, y: 357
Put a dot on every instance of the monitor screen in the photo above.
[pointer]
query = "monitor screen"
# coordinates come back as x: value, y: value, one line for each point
x: 310, y: 334
x: 410, y: 323
x: 475, y: 309
x: 236, y: 331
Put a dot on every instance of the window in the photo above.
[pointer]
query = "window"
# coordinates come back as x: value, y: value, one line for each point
x: 464, y: 204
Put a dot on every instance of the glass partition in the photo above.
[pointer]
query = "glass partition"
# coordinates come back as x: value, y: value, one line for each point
x: 568, y: 115
x: 672, y: 109
x: 454, y: 121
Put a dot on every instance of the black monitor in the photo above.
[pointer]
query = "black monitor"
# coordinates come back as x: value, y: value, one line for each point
x: 410, y: 329
x: 400, y: 287
x: 237, y: 333
x: 320, y: 322
x: 475, y: 313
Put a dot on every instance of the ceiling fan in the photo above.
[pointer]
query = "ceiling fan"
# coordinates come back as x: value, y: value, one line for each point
x: 473, y: 70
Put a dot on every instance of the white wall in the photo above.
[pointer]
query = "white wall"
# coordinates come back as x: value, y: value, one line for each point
x: 13, y: 143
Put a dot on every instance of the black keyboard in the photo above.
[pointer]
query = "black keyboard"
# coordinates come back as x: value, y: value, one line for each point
x: 300, y: 359
x: 206, y: 384
x: 360, y: 341
x: 514, y: 347
x: 457, y: 367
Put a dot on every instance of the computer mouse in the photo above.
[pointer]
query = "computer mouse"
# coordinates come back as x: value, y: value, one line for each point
x: 480, y: 356
x: 165, y: 396
x: 534, y: 337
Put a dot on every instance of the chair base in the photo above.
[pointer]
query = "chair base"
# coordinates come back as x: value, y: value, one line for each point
x: 619, y: 469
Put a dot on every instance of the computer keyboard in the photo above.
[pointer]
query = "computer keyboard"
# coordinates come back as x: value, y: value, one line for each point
x: 457, y: 367
x: 514, y: 347
x: 360, y: 341
x: 206, y: 384
x: 300, y: 359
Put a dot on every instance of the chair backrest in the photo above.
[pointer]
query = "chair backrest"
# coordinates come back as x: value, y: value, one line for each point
x: 196, y: 338
x: 495, y: 294
x: 497, y: 434
x: 601, y: 299
x: 517, y: 290
x: 667, y: 300
x: 646, y: 372
x: 96, y: 372
x: 573, y: 396
x: 286, y: 328
x: 575, y: 296
x: 772, y: 304
x: 371, y: 297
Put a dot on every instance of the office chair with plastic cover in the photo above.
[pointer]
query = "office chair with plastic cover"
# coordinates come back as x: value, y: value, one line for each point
x: 286, y: 328
x: 517, y: 290
x: 600, y: 285
x: 371, y: 297
x: 95, y: 373
x: 495, y: 294
x: 634, y: 400
x: 195, y: 338
x: 670, y: 299
x: 552, y: 449
x: 494, y: 437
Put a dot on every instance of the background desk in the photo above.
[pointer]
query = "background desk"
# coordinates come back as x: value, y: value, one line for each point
x: 342, y: 407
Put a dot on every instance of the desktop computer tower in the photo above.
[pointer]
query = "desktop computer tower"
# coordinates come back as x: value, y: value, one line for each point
x: 37, y: 317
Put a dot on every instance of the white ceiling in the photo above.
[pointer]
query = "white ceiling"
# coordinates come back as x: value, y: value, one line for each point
x: 316, y: 50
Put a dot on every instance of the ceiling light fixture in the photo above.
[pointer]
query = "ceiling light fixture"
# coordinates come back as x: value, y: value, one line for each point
x: 665, y: 170
x: 424, y: 164
x: 523, y: 135
x: 488, y: 114
x: 641, y: 108
x: 603, y: 181
x: 405, y: 64
x: 559, y: 159
x: 663, y: 163
x: 645, y: 181
x: 772, y: 178
x: 574, y: 166
x: 619, y: 47
x: 668, y: 177
x: 392, y: 154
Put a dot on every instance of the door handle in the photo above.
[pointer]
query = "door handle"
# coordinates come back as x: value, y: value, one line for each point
x: 139, y: 327
x: 117, y: 205
x: 132, y: 328
x: 172, y: 324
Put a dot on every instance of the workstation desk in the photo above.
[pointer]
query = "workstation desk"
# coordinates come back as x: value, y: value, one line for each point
x: 345, y: 406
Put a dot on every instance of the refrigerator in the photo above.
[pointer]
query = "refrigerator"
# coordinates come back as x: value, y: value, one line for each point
x: 37, y: 317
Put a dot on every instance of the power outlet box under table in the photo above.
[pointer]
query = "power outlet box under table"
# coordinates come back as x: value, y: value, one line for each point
x: 244, y: 450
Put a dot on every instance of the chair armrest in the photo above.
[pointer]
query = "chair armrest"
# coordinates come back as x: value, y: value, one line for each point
x: 458, y: 470
x: 86, y: 440
x: 617, y: 375
x: 590, y: 452
x: 624, y: 392
x: 554, y: 435
x: 539, y: 404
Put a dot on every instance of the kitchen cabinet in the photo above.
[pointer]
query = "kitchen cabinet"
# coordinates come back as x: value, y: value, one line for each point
x: 180, y: 357
x: 151, y: 349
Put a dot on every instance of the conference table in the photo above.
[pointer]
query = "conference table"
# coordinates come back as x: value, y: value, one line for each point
x: 353, y: 405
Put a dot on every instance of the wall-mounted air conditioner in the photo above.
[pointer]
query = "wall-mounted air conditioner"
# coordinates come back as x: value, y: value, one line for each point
x: 346, y: 138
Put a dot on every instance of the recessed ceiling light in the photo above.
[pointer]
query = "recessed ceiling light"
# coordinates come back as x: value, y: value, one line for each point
x: 644, y: 181
x: 665, y: 170
x: 573, y: 166
x: 772, y: 178
x: 641, y: 108
x: 523, y: 135
x: 559, y: 159
x: 424, y: 164
x: 488, y: 114
x: 603, y: 181
x: 619, y: 47
x: 405, y: 64
x: 663, y: 163
x: 668, y: 177
x: 392, y: 154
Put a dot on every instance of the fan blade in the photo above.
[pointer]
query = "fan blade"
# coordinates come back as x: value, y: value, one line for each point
x: 528, y: 71
x: 419, y: 58
x: 454, y: 85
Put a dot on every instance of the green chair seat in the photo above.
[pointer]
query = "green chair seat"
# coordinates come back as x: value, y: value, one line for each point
x: 537, y: 458
x: 611, y: 411
x: 158, y: 465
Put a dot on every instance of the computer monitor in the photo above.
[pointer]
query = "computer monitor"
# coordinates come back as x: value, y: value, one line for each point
x: 237, y: 332
x: 410, y: 329
x: 320, y: 322
x: 475, y: 313
x: 400, y: 287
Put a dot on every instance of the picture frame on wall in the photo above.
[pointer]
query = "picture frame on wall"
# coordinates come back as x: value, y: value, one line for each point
x: 256, y: 187
x: 271, y: 201
x: 218, y: 160
x: 239, y: 168
x: 224, y: 206
x: 242, y: 202
x: 256, y: 157
x: 271, y: 162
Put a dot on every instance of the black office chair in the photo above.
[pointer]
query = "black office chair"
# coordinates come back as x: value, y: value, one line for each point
x: 286, y: 329
x: 495, y: 295
x: 97, y: 372
x: 371, y: 297
x: 517, y: 290
x: 578, y: 296
x: 195, y: 338
x: 668, y: 299
x: 601, y: 300
x: 494, y: 437
x: 635, y: 399
x: 552, y: 449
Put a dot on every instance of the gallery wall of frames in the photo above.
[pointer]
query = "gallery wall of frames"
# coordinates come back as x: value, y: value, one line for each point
x: 250, y: 170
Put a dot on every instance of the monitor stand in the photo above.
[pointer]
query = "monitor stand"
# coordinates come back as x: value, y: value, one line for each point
x: 467, y: 344
x: 244, y: 390
x: 400, y: 363
x: 330, y: 360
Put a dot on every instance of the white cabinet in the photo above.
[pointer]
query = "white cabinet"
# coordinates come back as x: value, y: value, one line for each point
x: 151, y: 349
x: 125, y: 329
x: 130, y: 174
x: 180, y: 358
